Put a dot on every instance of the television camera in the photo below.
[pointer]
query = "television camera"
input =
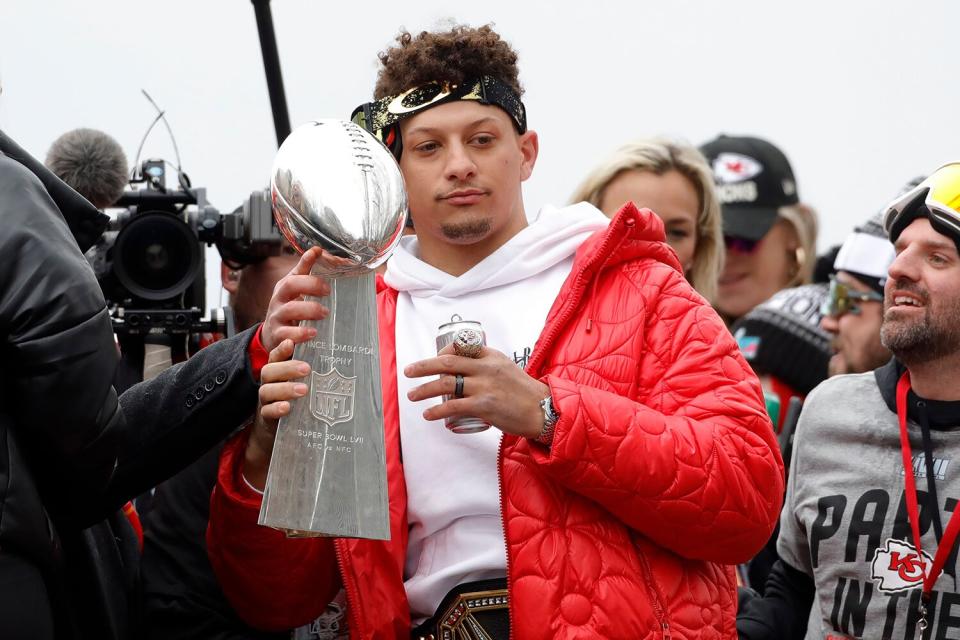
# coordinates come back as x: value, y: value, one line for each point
x: 150, y: 263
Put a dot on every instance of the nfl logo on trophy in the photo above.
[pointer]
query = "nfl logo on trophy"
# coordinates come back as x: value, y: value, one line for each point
x: 331, y: 397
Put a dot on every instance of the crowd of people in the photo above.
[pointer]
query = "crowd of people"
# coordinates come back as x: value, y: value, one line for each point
x: 701, y: 428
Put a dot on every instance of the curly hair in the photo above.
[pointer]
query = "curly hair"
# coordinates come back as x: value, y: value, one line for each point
x: 447, y: 56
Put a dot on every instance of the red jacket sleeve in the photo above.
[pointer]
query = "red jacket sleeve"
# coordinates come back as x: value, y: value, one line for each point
x: 690, y: 459
x: 259, y: 356
x: 275, y: 583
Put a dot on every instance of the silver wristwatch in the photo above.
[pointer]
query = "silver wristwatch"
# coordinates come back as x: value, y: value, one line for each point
x: 550, y: 418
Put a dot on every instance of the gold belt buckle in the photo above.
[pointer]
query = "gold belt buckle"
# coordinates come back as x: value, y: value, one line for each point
x: 458, y: 623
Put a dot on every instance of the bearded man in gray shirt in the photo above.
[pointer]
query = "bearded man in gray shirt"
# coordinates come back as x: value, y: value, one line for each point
x: 868, y: 538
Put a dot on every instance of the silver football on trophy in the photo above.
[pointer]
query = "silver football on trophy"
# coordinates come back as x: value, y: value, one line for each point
x: 336, y: 186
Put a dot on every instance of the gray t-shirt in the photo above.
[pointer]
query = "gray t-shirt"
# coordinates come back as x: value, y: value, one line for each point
x: 844, y: 519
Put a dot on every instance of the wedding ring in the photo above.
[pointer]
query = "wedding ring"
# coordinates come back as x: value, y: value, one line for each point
x: 467, y: 343
x: 458, y: 386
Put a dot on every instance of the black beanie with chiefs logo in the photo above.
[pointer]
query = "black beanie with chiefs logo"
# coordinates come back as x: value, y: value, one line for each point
x: 782, y: 337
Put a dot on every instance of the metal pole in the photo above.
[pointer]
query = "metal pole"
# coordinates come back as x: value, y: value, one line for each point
x: 271, y: 66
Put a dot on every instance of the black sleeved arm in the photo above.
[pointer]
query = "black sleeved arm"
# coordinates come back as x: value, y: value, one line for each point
x: 782, y: 612
x: 176, y: 417
x: 88, y: 451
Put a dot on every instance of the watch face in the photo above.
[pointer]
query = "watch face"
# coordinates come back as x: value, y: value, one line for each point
x: 550, y: 418
x: 549, y: 415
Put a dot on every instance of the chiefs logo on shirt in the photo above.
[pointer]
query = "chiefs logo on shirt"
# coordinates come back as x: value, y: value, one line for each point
x: 898, y: 567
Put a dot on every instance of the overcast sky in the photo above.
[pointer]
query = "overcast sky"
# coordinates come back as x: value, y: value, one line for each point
x: 861, y: 95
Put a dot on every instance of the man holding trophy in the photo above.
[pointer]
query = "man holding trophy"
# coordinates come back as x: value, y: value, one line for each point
x: 631, y: 460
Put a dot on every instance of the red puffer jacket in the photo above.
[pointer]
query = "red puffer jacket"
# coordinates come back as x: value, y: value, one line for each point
x: 663, y: 472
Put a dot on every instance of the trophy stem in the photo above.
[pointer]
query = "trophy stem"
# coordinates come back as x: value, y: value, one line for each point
x: 327, y: 474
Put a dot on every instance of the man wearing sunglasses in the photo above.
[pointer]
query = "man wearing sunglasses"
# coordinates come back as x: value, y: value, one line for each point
x: 630, y: 461
x: 853, y: 311
x: 869, y: 528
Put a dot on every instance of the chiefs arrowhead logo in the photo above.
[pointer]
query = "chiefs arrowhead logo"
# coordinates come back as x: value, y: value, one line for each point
x: 898, y: 567
x: 735, y: 167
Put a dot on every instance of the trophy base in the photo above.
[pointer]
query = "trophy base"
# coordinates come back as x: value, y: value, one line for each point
x: 298, y: 533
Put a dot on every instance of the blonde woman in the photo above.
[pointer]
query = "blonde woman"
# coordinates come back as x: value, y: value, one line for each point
x: 770, y: 235
x: 674, y: 180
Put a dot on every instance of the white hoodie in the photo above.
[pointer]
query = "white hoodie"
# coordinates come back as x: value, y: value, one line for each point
x: 453, y: 502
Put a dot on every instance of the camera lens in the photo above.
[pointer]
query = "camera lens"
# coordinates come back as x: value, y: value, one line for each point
x: 156, y: 256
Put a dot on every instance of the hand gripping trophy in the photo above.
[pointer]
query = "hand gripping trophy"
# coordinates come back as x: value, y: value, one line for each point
x: 337, y: 187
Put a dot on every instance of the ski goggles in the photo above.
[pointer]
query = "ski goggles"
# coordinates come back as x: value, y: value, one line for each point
x: 842, y: 299
x: 382, y: 116
x: 937, y: 198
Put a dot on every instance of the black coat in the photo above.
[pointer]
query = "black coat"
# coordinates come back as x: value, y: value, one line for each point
x: 71, y: 452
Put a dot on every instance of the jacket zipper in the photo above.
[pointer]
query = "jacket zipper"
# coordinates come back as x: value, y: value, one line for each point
x: 658, y: 609
x: 578, y: 288
x: 352, y: 612
x: 503, y: 523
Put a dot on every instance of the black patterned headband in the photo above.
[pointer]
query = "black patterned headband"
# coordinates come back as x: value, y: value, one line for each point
x: 381, y: 116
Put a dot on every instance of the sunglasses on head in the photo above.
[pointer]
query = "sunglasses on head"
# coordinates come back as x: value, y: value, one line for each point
x: 842, y: 299
x: 382, y: 116
x: 740, y: 245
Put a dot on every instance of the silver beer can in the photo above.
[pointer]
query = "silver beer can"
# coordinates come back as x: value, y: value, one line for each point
x: 445, y: 336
